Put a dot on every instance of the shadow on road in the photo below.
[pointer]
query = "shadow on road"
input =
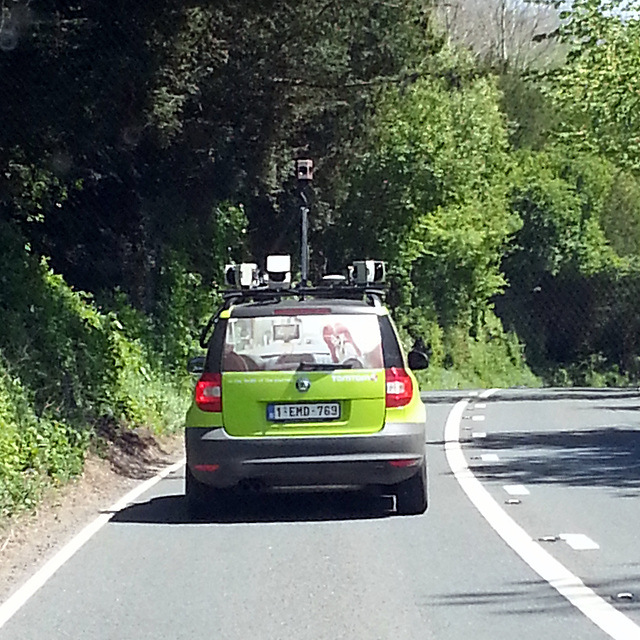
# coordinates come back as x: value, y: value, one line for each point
x: 266, y: 508
x: 532, y: 395
x: 561, y: 393
x: 444, y: 397
x: 606, y: 457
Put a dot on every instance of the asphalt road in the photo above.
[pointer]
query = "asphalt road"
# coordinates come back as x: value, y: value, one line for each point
x: 556, y: 475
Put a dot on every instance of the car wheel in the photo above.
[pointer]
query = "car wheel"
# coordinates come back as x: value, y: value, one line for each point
x: 201, y: 498
x: 196, y: 494
x: 411, y: 495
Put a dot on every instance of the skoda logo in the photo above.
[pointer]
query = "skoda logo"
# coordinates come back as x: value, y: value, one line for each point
x: 302, y: 385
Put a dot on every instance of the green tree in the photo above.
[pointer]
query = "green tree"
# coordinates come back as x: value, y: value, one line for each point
x: 430, y: 196
x: 597, y: 86
x: 570, y: 292
x: 127, y: 124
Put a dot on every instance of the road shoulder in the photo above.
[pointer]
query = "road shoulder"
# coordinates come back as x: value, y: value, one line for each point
x: 29, y: 539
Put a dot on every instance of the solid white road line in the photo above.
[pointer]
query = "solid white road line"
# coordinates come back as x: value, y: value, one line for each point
x: 516, y: 489
x: 11, y: 606
x: 610, y: 620
x: 579, y: 541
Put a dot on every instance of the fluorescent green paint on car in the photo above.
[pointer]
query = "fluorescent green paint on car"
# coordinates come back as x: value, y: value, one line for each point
x: 360, y: 394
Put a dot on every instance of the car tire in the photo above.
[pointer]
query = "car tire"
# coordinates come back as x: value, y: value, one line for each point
x: 411, y: 495
x: 196, y: 494
x: 202, y: 500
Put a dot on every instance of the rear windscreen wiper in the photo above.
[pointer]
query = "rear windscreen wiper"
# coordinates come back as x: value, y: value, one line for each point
x: 317, y: 366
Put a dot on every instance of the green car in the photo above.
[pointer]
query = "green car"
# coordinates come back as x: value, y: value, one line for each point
x: 305, y: 391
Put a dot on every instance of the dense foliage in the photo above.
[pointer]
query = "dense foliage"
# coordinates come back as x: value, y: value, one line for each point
x: 145, y: 145
x: 429, y: 195
x: 68, y: 372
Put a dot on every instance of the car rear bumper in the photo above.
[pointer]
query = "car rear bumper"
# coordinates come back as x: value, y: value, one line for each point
x: 384, y: 458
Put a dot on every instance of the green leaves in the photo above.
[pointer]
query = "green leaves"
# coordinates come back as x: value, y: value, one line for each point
x: 559, y: 200
x: 431, y: 198
x: 65, y: 365
x: 597, y: 88
x: 33, y: 450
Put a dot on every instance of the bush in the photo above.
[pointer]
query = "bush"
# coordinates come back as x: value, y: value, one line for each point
x: 463, y: 356
x: 65, y: 366
x: 491, y: 358
x: 34, y: 451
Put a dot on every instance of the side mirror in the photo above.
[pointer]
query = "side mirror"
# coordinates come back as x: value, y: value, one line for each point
x: 196, y: 365
x: 418, y: 360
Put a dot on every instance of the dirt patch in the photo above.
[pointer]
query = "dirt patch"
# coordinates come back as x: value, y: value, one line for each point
x: 126, y: 457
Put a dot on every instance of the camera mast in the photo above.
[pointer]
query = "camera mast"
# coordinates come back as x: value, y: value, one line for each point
x: 304, y: 173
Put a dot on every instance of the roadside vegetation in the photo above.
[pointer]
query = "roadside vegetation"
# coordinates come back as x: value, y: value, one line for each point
x: 495, y: 167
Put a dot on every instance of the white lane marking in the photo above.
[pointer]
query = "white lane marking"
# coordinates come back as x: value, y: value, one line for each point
x: 516, y: 489
x: 477, y: 418
x: 473, y: 393
x: 610, y: 620
x: 490, y: 457
x: 11, y: 606
x: 478, y: 434
x: 480, y: 405
x: 579, y: 541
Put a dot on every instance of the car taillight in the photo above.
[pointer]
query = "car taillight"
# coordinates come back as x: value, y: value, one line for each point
x: 209, y: 392
x: 399, y: 387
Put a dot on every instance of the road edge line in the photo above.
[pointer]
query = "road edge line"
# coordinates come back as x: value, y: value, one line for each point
x: 613, y: 622
x: 20, y: 597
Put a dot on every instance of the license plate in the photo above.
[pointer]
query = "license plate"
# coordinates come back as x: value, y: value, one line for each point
x: 302, y: 412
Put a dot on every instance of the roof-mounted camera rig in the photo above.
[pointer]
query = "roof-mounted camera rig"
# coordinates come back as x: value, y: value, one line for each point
x: 247, y: 281
x: 243, y: 275
x: 304, y: 169
x: 369, y: 271
x: 363, y: 280
x: 279, y: 272
x: 304, y: 173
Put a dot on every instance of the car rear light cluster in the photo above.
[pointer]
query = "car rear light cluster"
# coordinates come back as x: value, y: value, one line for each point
x: 399, y: 387
x: 209, y: 392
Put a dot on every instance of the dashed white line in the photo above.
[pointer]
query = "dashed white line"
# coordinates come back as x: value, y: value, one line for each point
x: 579, y: 541
x: 613, y: 622
x: 516, y: 489
x: 477, y: 418
x: 480, y: 405
x: 490, y: 457
x: 478, y: 434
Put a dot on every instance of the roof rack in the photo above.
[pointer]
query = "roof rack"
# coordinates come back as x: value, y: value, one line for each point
x: 368, y: 293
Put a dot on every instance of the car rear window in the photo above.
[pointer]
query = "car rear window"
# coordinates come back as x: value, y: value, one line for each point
x: 284, y: 342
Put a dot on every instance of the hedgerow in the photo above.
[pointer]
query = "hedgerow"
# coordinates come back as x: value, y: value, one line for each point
x: 65, y: 367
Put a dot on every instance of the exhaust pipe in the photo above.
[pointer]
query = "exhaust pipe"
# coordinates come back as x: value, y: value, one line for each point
x: 251, y: 485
